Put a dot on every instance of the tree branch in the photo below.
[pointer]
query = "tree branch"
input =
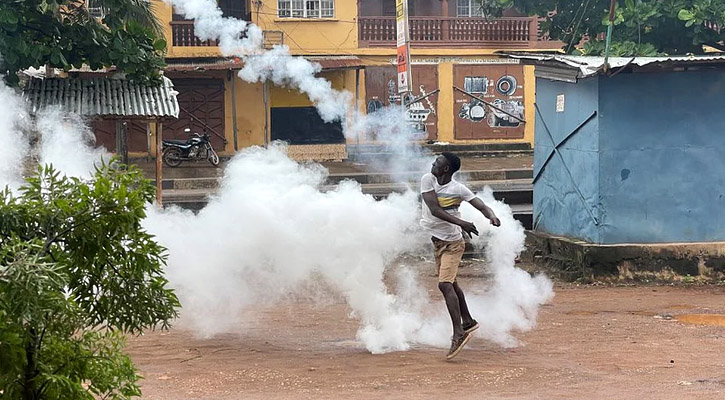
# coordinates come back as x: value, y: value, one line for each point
x: 50, y: 241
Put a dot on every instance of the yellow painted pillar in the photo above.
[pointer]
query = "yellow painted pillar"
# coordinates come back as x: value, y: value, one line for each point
x: 162, y: 11
x: 529, y: 100
x: 445, y: 102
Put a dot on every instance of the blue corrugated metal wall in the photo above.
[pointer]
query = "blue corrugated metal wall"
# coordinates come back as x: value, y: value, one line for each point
x: 651, y: 166
x: 662, y: 157
x: 558, y: 208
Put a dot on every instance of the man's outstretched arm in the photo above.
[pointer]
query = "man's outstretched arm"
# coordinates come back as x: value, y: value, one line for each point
x: 485, y: 210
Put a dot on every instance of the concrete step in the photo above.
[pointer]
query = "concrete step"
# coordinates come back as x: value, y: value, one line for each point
x: 479, y: 175
x: 370, y: 157
x: 366, y: 178
x: 437, y: 148
x: 517, y: 193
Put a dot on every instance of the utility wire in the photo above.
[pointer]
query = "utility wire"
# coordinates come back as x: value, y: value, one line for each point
x: 576, y: 29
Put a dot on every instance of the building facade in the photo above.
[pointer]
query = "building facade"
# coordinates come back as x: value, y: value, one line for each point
x: 453, y: 50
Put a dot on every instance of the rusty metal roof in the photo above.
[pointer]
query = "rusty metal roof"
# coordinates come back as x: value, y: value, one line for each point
x: 203, y: 64
x: 586, y: 66
x: 103, y: 96
x: 337, y: 62
x: 216, y: 64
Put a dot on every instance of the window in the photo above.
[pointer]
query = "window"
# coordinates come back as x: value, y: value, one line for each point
x: 469, y: 8
x: 389, y: 8
x: 230, y: 8
x: 475, y: 84
x: 234, y: 8
x: 306, y: 8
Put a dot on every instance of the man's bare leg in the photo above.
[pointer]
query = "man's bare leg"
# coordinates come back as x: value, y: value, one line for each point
x: 453, y: 305
x: 462, y: 306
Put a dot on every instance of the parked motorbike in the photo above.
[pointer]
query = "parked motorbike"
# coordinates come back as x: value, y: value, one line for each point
x: 197, y: 147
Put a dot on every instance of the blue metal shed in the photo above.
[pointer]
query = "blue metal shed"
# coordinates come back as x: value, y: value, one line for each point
x: 630, y: 153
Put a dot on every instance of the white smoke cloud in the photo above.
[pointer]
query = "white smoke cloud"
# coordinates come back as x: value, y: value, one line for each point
x: 245, y: 40
x: 390, y: 126
x: 14, y: 149
x: 510, y: 303
x: 67, y: 144
x: 272, y: 232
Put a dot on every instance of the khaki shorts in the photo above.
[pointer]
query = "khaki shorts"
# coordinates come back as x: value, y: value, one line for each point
x: 448, y: 255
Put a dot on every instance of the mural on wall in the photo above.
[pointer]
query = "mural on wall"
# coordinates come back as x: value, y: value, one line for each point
x: 500, y: 85
x: 381, y: 91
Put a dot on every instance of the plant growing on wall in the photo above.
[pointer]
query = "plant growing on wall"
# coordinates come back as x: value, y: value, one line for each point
x: 77, y: 272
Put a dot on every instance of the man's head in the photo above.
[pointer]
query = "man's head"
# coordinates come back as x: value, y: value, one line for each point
x: 446, y: 163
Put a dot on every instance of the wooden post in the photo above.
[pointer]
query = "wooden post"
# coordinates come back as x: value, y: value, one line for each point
x: 446, y: 25
x: 233, y: 81
x: 357, y: 99
x: 122, y: 141
x: 159, y: 152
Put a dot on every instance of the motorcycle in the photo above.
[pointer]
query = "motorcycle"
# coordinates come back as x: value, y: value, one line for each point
x: 197, y: 147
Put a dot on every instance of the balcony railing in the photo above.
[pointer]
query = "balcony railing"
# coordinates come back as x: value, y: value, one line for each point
x: 453, y: 32
x: 182, y: 34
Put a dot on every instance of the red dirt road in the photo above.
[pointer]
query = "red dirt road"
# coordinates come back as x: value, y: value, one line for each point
x: 590, y: 343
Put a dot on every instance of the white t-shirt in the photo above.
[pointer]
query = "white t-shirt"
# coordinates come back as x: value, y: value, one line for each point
x: 450, y: 197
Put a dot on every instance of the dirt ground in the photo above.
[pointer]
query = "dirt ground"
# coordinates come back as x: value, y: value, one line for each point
x: 591, y: 342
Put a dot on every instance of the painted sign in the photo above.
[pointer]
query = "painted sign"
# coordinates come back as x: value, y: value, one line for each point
x: 403, y: 53
x: 499, y: 115
x: 380, y: 91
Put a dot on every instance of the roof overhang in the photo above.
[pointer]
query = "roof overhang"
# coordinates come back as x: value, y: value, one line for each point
x: 103, y: 97
x: 571, y: 68
x: 327, y: 63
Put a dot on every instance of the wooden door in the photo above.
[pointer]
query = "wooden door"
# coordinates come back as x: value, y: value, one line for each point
x: 136, y: 133
x: 499, y: 84
x: 201, y: 108
x: 381, y: 91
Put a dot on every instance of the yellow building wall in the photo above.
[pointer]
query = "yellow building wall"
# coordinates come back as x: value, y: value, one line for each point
x: 336, y: 35
x: 250, y: 112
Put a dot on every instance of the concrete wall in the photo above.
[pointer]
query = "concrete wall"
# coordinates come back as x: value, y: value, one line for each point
x: 662, y: 147
x: 558, y: 207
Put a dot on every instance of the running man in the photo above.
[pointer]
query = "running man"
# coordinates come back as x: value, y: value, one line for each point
x: 441, y: 197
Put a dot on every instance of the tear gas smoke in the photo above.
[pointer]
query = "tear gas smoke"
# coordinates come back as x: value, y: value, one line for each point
x: 271, y: 230
x: 245, y: 40
x: 68, y: 144
x: 510, y: 303
x: 14, y: 149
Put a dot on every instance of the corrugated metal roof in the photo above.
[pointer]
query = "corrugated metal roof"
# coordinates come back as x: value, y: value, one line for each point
x: 326, y: 62
x: 337, y: 62
x: 588, y: 66
x: 203, y: 64
x: 103, y: 96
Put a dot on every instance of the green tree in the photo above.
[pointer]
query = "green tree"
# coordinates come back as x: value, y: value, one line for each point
x: 77, y: 272
x: 62, y: 34
x: 641, y: 27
